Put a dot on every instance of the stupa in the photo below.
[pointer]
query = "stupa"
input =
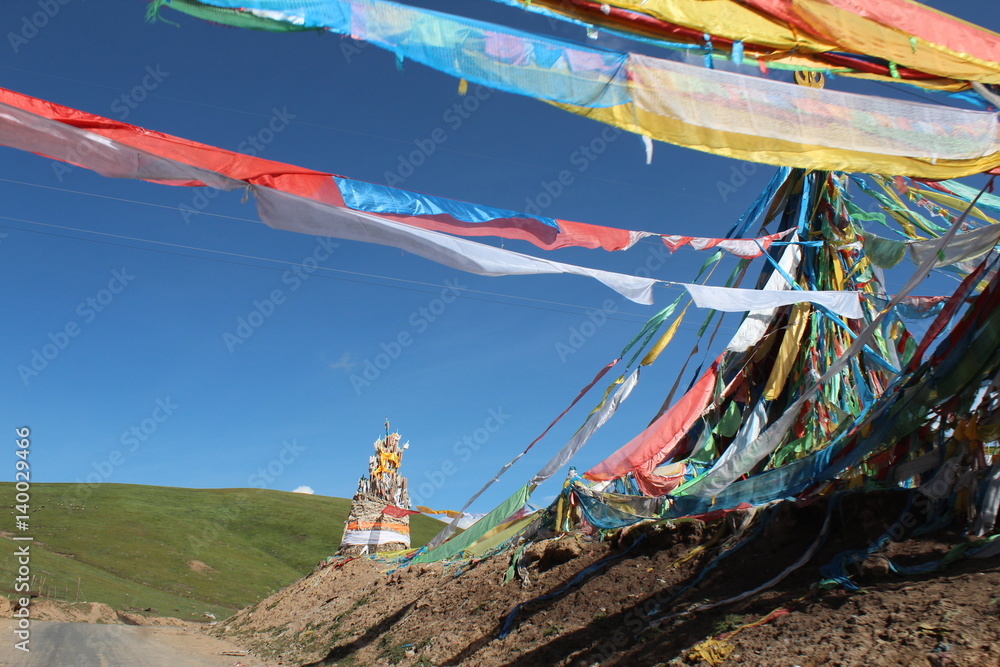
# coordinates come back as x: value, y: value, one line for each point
x: 379, y: 519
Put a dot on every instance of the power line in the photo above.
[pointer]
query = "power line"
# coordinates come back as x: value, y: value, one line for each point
x: 646, y: 240
x: 267, y: 259
x: 127, y: 201
x: 239, y: 219
x: 611, y: 316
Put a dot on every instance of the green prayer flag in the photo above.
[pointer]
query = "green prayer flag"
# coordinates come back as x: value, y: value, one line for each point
x: 456, y: 545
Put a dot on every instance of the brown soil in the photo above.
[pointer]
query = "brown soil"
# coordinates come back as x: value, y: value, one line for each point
x: 184, y: 637
x: 627, y: 612
x: 94, y: 644
x: 89, y: 612
x: 198, y: 566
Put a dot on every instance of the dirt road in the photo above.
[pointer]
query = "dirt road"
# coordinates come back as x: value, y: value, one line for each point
x: 90, y: 645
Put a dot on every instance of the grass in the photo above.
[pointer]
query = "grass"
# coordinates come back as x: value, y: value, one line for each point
x: 391, y: 651
x: 553, y: 629
x: 727, y: 623
x: 130, y: 545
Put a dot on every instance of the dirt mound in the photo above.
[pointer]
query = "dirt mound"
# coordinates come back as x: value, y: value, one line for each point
x: 198, y: 566
x: 643, y: 599
x: 68, y: 612
x: 145, y: 618
x: 90, y: 612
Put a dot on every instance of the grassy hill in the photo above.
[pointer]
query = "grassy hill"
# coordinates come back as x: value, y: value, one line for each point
x: 180, y: 551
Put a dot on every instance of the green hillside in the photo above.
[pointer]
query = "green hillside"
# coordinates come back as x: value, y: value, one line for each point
x: 148, y: 546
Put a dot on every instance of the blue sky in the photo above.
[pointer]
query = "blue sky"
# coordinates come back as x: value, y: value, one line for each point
x: 148, y: 385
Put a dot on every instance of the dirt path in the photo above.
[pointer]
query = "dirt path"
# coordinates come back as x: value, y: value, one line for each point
x: 89, y: 645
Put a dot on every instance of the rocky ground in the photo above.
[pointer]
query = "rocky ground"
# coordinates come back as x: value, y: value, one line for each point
x: 640, y: 604
x: 658, y: 594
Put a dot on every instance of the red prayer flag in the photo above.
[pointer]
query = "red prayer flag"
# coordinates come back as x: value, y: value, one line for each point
x: 397, y: 512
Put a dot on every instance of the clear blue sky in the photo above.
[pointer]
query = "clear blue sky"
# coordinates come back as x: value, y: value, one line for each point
x: 150, y: 351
